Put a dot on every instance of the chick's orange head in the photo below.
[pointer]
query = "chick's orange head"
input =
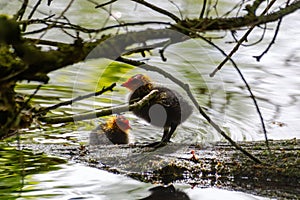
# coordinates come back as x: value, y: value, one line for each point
x: 118, y: 121
x: 136, y: 81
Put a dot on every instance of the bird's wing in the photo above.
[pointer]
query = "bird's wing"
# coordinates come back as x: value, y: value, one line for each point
x: 167, y: 99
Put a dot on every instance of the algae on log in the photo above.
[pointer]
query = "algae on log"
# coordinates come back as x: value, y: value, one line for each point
x: 218, y: 165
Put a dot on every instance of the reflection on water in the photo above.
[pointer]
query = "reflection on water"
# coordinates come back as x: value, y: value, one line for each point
x: 274, y: 82
x: 169, y: 192
x: 17, y: 168
x: 75, y: 181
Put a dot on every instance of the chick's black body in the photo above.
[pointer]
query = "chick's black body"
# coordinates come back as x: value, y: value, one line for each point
x: 114, y: 131
x: 101, y: 135
x: 167, y: 109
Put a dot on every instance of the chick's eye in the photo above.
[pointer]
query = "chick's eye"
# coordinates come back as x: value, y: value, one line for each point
x: 121, y: 121
x: 135, y: 81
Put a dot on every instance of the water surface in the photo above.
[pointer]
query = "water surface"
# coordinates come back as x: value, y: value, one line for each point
x: 274, y: 81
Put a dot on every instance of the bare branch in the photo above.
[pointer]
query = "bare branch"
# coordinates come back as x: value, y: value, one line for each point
x: 271, y: 43
x: 203, y: 9
x: 240, y: 41
x: 248, y: 88
x: 233, y: 23
x: 21, y: 11
x: 102, y: 112
x: 105, y: 4
x: 79, y: 98
x: 60, y: 16
x: 274, y: 38
x: 31, y: 13
x: 191, y: 96
x: 158, y: 9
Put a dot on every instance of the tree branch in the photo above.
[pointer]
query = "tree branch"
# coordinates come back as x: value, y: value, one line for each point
x: 245, y: 36
x: 271, y: 43
x: 248, y: 88
x: 158, y: 9
x: 79, y: 98
x: 105, y: 4
x: 203, y: 9
x: 21, y: 11
x: 191, y: 96
x: 233, y: 23
x: 102, y: 112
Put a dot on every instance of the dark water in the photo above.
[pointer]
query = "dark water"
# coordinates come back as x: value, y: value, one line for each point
x: 274, y: 81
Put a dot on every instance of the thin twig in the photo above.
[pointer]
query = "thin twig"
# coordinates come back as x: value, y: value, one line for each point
x: 34, y: 9
x: 253, y: 43
x: 256, y: 106
x: 188, y: 91
x: 86, y: 30
x: 79, y: 98
x: 180, y: 13
x: 244, y: 80
x: 245, y: 36
x: 273, y: 39
x: 158, y: 9
x: 145, y: 48
x: 248, y: 88
x: 31, y: 13
x: 60, y: 16
x: 271, y: 43
x: 203, y: 9
x: 105, y: 4
x: 21, y: 11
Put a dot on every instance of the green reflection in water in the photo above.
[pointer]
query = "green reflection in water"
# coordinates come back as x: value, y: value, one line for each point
x: 17, y: 167
x: 113, y: 72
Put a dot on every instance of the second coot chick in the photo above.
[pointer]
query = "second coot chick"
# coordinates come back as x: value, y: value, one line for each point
x: 167, y: 109
x: 114, y: 131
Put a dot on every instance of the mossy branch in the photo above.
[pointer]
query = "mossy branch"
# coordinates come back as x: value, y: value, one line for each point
x: 102, y: 112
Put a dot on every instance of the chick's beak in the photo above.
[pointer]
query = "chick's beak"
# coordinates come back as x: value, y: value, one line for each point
x: 128, y: 84
x: 125, y: 84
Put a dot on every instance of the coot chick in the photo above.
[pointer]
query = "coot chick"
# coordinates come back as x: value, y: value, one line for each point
x: 167, y: 109
x: 114, y: 131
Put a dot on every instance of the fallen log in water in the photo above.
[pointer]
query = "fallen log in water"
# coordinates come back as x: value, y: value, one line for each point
x: 218, y: 165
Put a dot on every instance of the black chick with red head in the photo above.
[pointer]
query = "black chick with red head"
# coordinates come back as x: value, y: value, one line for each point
x: 167, y: 109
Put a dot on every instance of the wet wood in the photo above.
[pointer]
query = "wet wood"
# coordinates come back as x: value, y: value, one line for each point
x: 203, y: 165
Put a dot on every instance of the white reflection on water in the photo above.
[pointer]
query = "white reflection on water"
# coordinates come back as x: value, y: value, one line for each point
x: 80, y: 182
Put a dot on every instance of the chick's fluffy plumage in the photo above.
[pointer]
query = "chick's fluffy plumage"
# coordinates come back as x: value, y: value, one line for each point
x: 115, y: 131
x: 167, y: 109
